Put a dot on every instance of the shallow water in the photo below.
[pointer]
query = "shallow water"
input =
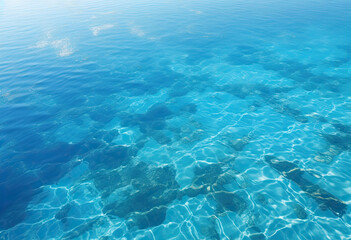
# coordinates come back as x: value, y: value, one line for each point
x: 175, y: 119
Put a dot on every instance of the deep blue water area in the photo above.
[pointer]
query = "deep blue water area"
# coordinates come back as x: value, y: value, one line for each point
x: 175, y: 119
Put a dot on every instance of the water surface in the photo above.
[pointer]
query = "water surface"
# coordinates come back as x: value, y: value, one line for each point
x: 175, y: 119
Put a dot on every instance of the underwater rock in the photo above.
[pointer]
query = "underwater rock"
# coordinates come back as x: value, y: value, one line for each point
x: 155, y: 188
x: 156, y: 79
x: 267, y: 93
x: 333, y: 86
x: 195, y: 136
x: 151, y: 218
x: 154, y: 125
x: 179, y: 89
x: 328, y: 156
x: 155, y: 113
x: 289, y: 69
x: 319, y: 117
x: 211, y: 179
x: 109, y: 180
x: 83, y: 228
x: 300, y: 211
x: 285, y: 109
x: 228, y: 201
x: 151, y: 123
x: 106, y: 135
x: 342, y: 127
x: 111, y: 157
x: 292, y: 172
x: 255, y: 105
x: 254, y: 231
x: 144, y: 204
x: 63, y: 213
x: 105, y: 164
x: 190, y: 108
x: 257, y: 236
x: 193, y: 191
x: 239, y: 144
x: 189, y: 134
x: 261, y: 198
x: 342, y: 141
x: 207, y: 175
x: 102, y: 114
x: 238, y: 90
x: 208, y: 229
x: 160, y: 137
x: 338, y: 144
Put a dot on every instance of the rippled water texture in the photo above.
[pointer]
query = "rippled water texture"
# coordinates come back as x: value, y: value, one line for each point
x: 175, y: 119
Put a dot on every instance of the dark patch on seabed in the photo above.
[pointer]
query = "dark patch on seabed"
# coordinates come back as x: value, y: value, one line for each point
x: 292, y: 172
x: 152, y: 122
x: 83, y: 228
x: 300, y: 211
x: 300, y: 73
x: 64, y: 211
x: 146, y: 206
x: 145, y: 191
x: 210, y: 180
x: 23, y: 175
x: 269, y: 97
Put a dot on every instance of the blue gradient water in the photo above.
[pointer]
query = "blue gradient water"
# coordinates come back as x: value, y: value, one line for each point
x: 175, y: 119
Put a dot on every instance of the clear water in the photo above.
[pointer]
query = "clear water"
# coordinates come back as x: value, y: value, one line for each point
x: 175, y: 119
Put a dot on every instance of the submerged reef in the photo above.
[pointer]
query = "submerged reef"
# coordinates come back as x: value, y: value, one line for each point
x: 299, y: 211
x: 63, y: 213
x: 135, y: 191
x: 292, y: 172
x: 211, y: 179
x: 146, y: 205
x: 140, y: 192
x: 255, y: 233
x: 151, y: 123
x: 147, y: 190
x: 83, y: 228
x: 269, y: 96
x: 300, y: 73
x: 208, y: 229
x: 337, y: 142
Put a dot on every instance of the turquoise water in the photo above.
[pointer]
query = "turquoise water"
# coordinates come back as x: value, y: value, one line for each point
x: 175, y: 119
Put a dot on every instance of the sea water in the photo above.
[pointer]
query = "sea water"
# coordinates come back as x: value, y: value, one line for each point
x: 175, y: 119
